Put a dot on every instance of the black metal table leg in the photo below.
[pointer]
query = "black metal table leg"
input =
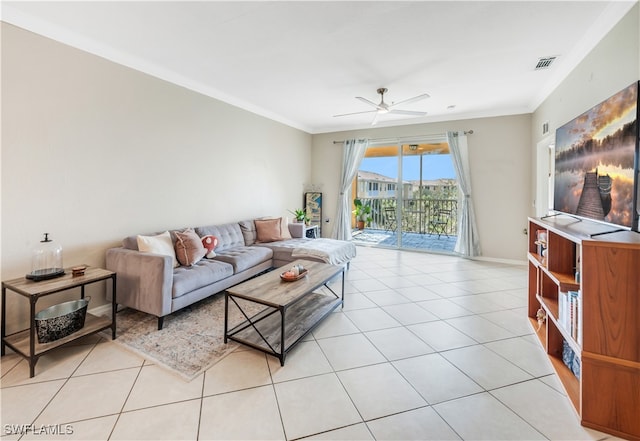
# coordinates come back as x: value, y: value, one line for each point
x: 32, y: 340
x: 114, y: 306
x: 342, y: 288
x: 226, y: 315
x: 282, y: 342
x: 4, y: 317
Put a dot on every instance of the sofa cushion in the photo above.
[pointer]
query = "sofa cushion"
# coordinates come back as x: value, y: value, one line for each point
x: 335, y: 252
x: 229, y: 235
x: 203, y: 273
x: 268, y: 230
x: 249, y: 232
x: 282, y: 250
x: 131, y: 242
x: 248, y: 229
x: 243, y: 258
x: 159, y: 244
x: 189, y: 247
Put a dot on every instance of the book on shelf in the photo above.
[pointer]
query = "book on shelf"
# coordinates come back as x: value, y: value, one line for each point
x: 562, y: 309
x: 570, y: 314
x: 574, y: 323
x: 571, y: 359
x: 577, y: 270
x: 573, y: 326
x: 567, y: 354
x: 579, y: 325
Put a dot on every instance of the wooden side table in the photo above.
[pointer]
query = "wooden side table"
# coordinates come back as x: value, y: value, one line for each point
x: 25, y: 342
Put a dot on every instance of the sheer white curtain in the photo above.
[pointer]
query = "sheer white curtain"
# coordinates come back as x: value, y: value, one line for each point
x: 468, y: 243
x: 352, y: 153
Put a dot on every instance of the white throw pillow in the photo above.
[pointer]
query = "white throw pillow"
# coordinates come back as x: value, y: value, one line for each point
x: 160, y: 244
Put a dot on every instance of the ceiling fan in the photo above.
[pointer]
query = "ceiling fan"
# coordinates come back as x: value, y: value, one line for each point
x: 382, y: 107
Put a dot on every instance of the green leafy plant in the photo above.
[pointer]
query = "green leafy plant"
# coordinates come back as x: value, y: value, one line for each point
x: 301, y: 215
x: 362, y: 211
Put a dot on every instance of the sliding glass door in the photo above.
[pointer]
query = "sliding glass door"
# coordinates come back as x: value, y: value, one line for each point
x: 377, y: 187
x: 412, y: 193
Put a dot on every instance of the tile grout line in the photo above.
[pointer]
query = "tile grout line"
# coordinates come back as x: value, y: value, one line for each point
x: 124, y: 403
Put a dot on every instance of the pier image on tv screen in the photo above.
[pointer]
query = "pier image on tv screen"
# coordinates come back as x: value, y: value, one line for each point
x: 594, y: 161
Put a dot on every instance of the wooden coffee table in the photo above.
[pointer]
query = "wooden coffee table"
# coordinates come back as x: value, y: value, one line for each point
x: 291, y: 309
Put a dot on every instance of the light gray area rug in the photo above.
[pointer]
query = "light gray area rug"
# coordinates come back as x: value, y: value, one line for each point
x: 192, y: 339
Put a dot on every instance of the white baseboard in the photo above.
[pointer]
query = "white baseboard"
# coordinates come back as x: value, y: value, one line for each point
x: 101, y: 310
x: 497, y: 260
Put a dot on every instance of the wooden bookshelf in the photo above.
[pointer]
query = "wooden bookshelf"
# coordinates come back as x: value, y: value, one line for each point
x: 606, y: 394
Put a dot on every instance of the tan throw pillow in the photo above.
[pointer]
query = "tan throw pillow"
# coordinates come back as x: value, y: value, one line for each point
x: 189, y: 248
x: 268, y: 230
x: 284, y: 227
x: 160, y: 244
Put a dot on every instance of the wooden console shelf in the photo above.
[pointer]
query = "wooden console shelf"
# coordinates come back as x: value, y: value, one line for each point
x: 24, y: 342
x: 603, y: 333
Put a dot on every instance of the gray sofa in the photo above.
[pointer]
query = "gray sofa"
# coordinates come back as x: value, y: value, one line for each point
x: 149, y: 282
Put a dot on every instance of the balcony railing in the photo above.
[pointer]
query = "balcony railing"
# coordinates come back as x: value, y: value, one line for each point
x: 425, y: 216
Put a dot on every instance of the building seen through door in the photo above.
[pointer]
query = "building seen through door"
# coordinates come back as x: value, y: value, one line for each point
x: 412, y: 194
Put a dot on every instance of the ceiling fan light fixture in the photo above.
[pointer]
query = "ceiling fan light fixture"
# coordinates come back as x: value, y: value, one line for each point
x: 384, y: 108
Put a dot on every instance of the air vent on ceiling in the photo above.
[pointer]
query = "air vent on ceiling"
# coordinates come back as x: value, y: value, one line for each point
x: 544, y: 63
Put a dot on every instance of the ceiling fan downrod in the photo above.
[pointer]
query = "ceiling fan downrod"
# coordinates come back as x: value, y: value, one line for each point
x: 382, y: 107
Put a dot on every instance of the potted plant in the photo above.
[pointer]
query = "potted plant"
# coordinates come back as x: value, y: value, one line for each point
x: 300, y: 215
x: 362, y: 213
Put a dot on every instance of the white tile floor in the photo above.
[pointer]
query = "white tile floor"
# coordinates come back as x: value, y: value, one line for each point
x: 427, y: 347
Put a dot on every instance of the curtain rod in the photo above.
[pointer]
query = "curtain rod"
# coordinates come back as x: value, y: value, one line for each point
x: 405, y: 138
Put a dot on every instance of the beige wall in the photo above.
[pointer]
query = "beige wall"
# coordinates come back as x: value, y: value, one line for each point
x: 93, y: 151
x: 610, y: 67
x: 503, y: 149
x: 500, y: 175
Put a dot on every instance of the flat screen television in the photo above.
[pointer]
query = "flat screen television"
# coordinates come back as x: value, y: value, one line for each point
x: 596, y: 162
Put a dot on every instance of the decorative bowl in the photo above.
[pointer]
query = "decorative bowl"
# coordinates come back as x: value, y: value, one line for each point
x: 293, y: 279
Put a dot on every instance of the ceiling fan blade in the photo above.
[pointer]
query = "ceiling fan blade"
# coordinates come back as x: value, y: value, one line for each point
x: 412, y: 100
x: 355, y: 113
x: 407, y: 112
x: 364, y: 100
x: 383, y: 107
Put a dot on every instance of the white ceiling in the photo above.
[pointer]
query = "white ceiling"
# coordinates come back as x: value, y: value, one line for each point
x: 302, y: 62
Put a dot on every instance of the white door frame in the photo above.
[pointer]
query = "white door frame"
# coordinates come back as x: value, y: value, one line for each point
x: 545, y: 151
